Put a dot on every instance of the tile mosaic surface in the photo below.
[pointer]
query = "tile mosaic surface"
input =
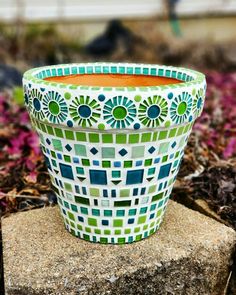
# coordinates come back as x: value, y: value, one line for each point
x: 113, y: 153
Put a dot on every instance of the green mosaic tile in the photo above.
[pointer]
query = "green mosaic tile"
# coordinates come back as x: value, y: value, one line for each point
x: 103, y: 240
x: 145, y: 227
x: 93, y: 137
x: 172, y: 132
x: 108, y: 213
x: 164, y: 159
x: 92, y: 221
x: 186, y: 128
x: 124, y: 193
x: 97, y: 231
x: 142, y: 219
x: 49, y: 130
x: 122, y: 203
x: 138, y: 237
x: 137, y: 152
x: 71, y: 215
x: 120, y: 138
x: 57, y: 144
x: 82, y: 200
x: 153, y: 207
x: 180, y: 130
x: 159, y: 213
x: 133, y: 138
x: 106, y: 164
x: 108, y: 152
x: 154, y: 136
x: 58, y: 132
x: 107, y: 232
x: 87, y: 229
x: 85, y: 162
x: 120, y: 213
x: 157, y: 197
x: 79, y: 226
x: 68, y: 186
x: 74, y: 208
x: 66, y: 204
x: 80, y: 150
x: 84, y: 210
x: 105, y: 203
x: 164, y: 148
x: 54, y: 163
x: 182, y: 142
x: 67, y: 158
x: 127, y: 164
x: 177, y: 154
x: 43, y: 128
x: 69, y: 134
x: 53, y: 154
x: 107, y: 138
x: 151, y: 225
x: 127, y: 231
x: 86, y: 237
x: 151, y: 171
x: 72, y: 225
x: 115, y: 174
x: 118, y: 222
x: 121, y: 240
x: 94, y: 192
x: 80, y: 170
x: 152, y: 189
x: 81, y: 136
x: 143, y: 210
x: 137, y: 229
x: 162, y: 135
x: 148, y: 162
x: 146, y: 137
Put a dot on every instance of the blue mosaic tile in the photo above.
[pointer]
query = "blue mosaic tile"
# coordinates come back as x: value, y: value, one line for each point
x: 122, y: 152
x: 164, y: 171
x: 94, y: 151
x: 98, y: 177
x: 117, y: 164
x: 95, y: 163
x: 139, y: 163
x: 48, y: 163
x: 151, y: 150
x: 48, y: 141
x: 134, y: 176
x: 66, y: 171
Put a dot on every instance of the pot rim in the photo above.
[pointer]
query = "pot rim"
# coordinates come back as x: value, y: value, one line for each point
x: 143, y: 107
x: 187, y: 76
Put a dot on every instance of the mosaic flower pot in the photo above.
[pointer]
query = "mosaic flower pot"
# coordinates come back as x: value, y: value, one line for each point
x: 113, y: 171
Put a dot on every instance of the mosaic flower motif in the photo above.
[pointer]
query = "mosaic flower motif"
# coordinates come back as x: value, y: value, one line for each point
x: 35, y: 104
x: 54, y: 107
x: 153, y: 111
x: 181, y: 107
x: 119, y: 112
x: 85, y: 111
x: 198, y: 103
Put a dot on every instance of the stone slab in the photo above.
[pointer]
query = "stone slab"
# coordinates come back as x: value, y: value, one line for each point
x: 190, y: 254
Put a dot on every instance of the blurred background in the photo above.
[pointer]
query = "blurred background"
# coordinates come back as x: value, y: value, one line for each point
x: 197, y: 34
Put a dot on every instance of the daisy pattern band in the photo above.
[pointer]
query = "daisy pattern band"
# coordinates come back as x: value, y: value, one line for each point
x: 106, y: 108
